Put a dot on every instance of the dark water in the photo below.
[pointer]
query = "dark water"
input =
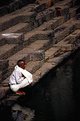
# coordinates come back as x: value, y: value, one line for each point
x: 55, y: 98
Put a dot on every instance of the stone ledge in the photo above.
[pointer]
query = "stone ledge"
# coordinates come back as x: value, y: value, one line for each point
x: 13, y: 38
x: 39, y: 35
x: 4, y: 64
x: 38, y: 55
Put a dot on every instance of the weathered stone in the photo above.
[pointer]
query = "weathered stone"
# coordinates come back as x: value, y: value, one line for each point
x: 8, y: 22
x: 48, y: 3
x: 13, y: 38
x: 52, y: 24
x: 13, y: 60
x: 37, y: 55
x: 40, y: 18
x: 64, y: 31
x: 45, y: 15
x: 40, y: 8
x: 4, y: 64
x: 2, y: 41
x: 39, y: 35
x: 33, y: 66
x: 62, y: 11
x: 14, y: 19
x: 27, y: 16
x: 19, y: 28
x: 49, y: 14
x: 72, y: 12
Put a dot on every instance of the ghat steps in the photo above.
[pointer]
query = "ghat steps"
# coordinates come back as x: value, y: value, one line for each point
x: 42, y: 36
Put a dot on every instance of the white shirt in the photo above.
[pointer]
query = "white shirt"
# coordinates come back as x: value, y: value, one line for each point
x: 19, y: 74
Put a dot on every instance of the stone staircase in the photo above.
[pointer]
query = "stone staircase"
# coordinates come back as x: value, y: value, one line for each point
x: 42, y: 36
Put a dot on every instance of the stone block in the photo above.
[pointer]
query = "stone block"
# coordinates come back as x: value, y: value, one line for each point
x: 48, y: 3
x: 8, y: 22
x: 49, y: 14
x: 4, y: 64
x: 62, y: 11
x: 39, y: 35
x: 2, y: 41
x: 40, y: 18
x: 37, y: 55
x: 27, y: 16
x: 63, y: 31
x: 12, y: 61
x: 40, y: 8
x: 45, y: 15
x: 77, y: 25
x: 45, y: 35
x: 13, y: 38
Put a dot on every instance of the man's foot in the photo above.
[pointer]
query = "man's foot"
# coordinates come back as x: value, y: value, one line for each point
x: 20, y: 93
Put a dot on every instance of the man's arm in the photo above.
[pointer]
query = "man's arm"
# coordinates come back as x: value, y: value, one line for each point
x: 19, y: 77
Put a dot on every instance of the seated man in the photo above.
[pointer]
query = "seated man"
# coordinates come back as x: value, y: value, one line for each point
x: 20, y: 78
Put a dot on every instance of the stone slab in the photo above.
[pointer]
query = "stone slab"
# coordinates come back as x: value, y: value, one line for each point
x: 37, y: 55
x: 13, y: 38
x: 4, y: 64
x: 18, y: 28
x: 32, y: 48
x: 39, y: 35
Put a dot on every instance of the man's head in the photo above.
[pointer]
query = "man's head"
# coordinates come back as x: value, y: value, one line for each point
x: 21, y: 63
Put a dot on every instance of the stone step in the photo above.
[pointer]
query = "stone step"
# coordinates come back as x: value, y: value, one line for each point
x: 4, y: 64
x: 37, y: 45
x: 9, y: 49
x: 72, y: 38
x: 51, y: 24
x: 72, y: 11
x: 33, y: 66
x: 27, y: 8
x: 12, y: 38
x: 57, y: 53
x: 69, y: 43
x: 25, y: 27
x: 38, y: 35
x: 22, y: 27
x: 77, y: 24
x: 18, y: 28
x: 2, y: 41
x: 50, y: 13
x: 62, y: 49
x: 64, y: 30
x: 6, y: 49
x: 45, y: 16
x: 8, y: 21
x: 64, y: 3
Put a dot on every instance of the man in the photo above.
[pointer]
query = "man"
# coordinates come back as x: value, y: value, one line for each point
x: 20, y: 78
